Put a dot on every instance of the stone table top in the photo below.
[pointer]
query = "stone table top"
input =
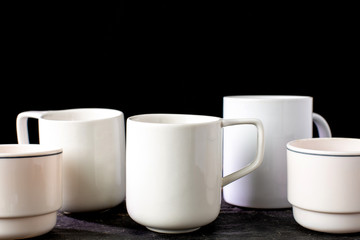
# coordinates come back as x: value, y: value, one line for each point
x: 232, y: 223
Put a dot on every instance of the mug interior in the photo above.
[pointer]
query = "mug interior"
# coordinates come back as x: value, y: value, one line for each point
x: 326, y: 146
x: 173, y: 118
x: 26, y: 150
x: 84, y: 114
x: 268, y: 97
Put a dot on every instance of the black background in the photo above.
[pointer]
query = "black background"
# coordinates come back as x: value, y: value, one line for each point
x: 178, y: 57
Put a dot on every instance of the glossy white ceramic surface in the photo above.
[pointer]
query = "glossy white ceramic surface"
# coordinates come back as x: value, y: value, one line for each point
x: 27, y: 227
x: 174, y: 169
x: 30, y: 189
x: 324, y: 183
x: 285, y: 118
x: 93, y: 141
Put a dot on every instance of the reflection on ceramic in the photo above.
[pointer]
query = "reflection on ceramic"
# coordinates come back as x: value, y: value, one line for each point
x: 285, y: 118
x: 30, y: 190
x: 324, y: 183
x: 173, y: 169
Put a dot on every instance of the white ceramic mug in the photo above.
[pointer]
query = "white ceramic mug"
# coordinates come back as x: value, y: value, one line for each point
x: 324, y: 183
x: 93, y: 141
x: 174, y: 169
x: 30, y: 190
x: 285, y: 118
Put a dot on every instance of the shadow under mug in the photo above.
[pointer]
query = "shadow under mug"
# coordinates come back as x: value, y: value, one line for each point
x: 174, y: 169
x: 93, y: 140
x: 30, y: 189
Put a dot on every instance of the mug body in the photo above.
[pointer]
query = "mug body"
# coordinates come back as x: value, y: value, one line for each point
x: 30, y: 189
x: 324, y: 183
x: 285, y: 118
x: 173, y: 172
x: 93, y: 141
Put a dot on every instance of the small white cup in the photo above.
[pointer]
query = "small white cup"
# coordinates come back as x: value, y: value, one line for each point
x: 324, y: 183
x: 30, y: 190
x: 93, y: 140
x: 173, y: 169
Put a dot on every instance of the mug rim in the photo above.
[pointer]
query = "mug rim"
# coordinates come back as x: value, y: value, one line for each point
x: 53, y: 115
x: 267, y: 97
x: 27, y: 151
x: 163, y: 119
x: 331, y: 147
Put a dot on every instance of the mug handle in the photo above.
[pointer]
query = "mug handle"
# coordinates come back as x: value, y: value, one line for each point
x: 22, y: 126
x: 260, y: 148
x: 322, y: 126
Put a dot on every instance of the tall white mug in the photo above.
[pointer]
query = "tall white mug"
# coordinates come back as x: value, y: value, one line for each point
x: 285, y: 118
x: 174, y: 169
x: 93, y: 141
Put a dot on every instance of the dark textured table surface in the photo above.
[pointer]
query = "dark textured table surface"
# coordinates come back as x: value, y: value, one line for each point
x: 232, y: 223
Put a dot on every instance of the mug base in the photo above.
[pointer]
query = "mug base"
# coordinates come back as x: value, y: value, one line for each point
x: 26, y: 227
x: 264, y: 204
x: 168, y: 231
x: 327, y: 222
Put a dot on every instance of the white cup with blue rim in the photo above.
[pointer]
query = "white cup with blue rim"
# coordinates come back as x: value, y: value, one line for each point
x: 30, y: 189
x: 324, y: 183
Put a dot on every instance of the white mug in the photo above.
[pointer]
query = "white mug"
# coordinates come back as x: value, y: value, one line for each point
x: 285, y: 118
x: 30, y: 189
x: 174, y: 169
x: 93, y: 141
x: 324, y: 183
